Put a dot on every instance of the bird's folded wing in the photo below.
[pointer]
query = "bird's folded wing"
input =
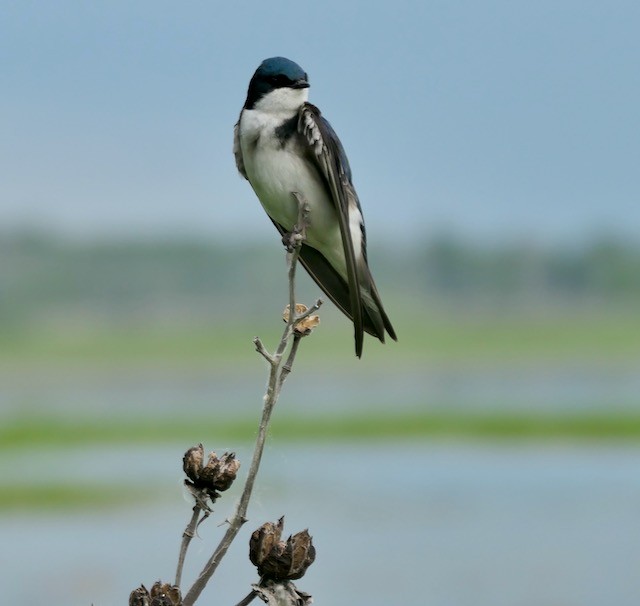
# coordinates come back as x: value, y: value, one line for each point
x: 327, y: 152
x: 237, y: 150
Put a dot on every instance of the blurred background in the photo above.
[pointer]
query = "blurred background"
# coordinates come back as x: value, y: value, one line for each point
x: 490, y: 457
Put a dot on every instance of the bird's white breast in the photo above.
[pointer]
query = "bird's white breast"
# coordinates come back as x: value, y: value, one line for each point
x: 275, y: 171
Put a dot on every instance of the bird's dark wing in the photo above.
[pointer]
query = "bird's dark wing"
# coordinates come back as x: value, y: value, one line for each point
x: 326, y: 151
x: 237, y: 150
x: 334, y: 286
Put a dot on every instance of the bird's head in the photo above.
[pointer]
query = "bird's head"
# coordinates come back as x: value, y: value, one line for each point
x: 278, y: 85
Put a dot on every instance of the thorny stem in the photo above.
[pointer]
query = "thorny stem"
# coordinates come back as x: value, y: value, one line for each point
x: 187, y: 535
x: 277, y: 376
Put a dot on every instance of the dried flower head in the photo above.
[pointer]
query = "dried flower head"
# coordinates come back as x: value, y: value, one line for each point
x: 139, y: 597
x: 161, y: 594
x: 216, y: 476
x: 304, y: 326
x: 280, y: 560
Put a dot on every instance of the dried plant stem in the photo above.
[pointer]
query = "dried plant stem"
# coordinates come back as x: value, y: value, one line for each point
x: 187, y: 535
x: 247, y: 599
x: 277, y: 375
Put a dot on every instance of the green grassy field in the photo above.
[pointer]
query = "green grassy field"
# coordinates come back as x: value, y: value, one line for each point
x: 436, y: 337
x: 63, y: 433
x: 487, y: 339
x: 46, y: 435
x: 63, y: 497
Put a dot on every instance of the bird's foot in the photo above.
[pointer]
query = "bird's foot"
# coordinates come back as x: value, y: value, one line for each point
x: 292, y: 239
x: 298, y: 234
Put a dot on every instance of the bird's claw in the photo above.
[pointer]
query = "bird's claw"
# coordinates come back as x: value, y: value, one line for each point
x: 293, y: 239
x: 298, y: 234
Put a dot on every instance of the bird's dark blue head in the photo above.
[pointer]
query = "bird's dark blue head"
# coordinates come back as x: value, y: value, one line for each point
x: 273, y: 73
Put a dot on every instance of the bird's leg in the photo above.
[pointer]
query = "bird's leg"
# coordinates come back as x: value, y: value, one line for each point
x: 303, y: 216
x: 298, y: 234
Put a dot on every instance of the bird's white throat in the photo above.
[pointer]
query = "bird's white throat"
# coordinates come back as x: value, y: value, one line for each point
x: 283, y: 101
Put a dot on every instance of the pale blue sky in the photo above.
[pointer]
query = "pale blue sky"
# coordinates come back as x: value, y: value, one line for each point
x: 497, y: 119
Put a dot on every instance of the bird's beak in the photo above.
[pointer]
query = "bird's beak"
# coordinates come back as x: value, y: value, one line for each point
x: 300, y: 84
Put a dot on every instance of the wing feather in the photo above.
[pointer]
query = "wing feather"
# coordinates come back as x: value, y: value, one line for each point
x: 237, y: 150
x: 327, y: 152
x: 334, y: 286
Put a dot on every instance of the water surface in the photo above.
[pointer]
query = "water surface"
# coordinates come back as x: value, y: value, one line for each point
x: 442, y: 523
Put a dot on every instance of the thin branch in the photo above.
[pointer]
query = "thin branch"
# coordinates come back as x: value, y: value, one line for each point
x: 262, y: 350
x: 315, y: 307
x: 187, y: 535
x: 286, y: 367
x: 276, y: 379
x: 247, y: 599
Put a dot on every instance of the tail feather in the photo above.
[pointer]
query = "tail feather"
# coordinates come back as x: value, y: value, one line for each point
x: 374, y: 319
x: 383, y: 317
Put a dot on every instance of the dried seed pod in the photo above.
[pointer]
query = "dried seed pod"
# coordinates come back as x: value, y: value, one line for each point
x: 192, y: 461
x: 264, y: 540
x: 303, y: 553
x: 139, y: 597
x: 214, y: 477
x: 305, y: 326
x: 226, y: 470
x: 164, y: 594
x: 279, y: 560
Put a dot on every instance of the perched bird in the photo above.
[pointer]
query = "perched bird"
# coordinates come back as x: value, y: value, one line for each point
x: 283, y: 146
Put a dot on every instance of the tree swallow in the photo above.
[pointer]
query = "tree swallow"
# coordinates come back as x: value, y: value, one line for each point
x: 283, y: 146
